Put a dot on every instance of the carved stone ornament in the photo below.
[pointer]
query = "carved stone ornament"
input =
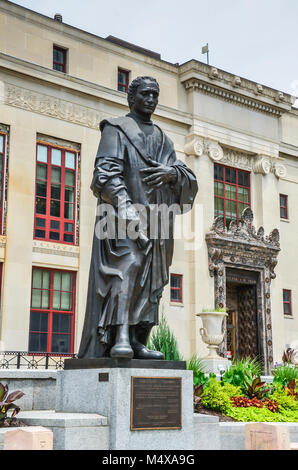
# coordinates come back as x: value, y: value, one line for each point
x: 280, y: 170
x: 248, y: 250
x: 50, y: 106
x: 59, y: 249
x: 245, y: 231
x: 262, y: 165
x: 215, y: 151
x: 195, y: 147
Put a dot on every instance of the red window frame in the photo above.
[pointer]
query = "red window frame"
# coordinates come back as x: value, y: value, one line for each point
x: 59, y: 65
x: 176, y: 289
x: 224, y: 179
x: 2, y: 178
x: 283, y: 205
x: 123, y: 80
x: 49, y: 227
x: 50, y: 312
x: 287, y: 304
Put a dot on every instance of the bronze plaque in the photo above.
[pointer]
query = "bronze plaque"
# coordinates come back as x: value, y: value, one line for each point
x: 155, y: 403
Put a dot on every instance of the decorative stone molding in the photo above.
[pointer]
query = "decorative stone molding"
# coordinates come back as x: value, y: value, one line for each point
x: 280, y: 170
x: 213, y: 73
x: 206, y: 79
x: 246, y: 232
x: 214, y: 151
x: 260, y: 89
x: 198, y: 145
x: 233, y: 97
x: 55, y: 249
x: 237, y: 81
x: 195, y: 147
x: 262, y: 165
x: 238, y: 159
x: 279, y: 96
x: 244, y: 248
x: 50, y: 106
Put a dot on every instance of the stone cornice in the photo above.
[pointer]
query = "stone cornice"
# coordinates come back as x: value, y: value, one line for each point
x: 18, y: 67
x: 223, y: 85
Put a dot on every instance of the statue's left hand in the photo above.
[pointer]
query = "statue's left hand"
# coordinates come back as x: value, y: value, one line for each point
x: 159, y: 174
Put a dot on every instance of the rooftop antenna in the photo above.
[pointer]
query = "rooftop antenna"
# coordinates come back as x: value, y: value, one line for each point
x: 205, y: 50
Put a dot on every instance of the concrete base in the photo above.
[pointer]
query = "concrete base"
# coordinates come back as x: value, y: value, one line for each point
x: 71, y: 431
x: 83, y: 391
x: 39, y: 387
x: 206, y: 432
x: 215, y: 365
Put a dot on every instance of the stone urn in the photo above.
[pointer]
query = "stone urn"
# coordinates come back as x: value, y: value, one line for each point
x: 211, y: 331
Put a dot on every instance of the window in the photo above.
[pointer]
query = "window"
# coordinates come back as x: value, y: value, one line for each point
x: 123, y: 80
x: 55, y: 200
x: 231, y: 192
x: 283, y: 204
x: 2, y: 177
x: 287, y: 301
x: 176, y: 288
x: 59, y: 59
x: 52, y: 311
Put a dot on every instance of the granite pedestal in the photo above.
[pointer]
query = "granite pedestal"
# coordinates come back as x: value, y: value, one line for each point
x: 104, y: 386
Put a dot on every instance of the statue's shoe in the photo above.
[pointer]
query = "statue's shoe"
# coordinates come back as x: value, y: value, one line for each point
x: 122, y: 351
x: 141, y: 352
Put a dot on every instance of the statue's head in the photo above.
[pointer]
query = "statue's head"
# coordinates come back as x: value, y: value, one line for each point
x: 143, y: 95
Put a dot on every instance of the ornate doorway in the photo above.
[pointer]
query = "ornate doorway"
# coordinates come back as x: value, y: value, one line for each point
x: 244, y: 259
x: 242, y: 332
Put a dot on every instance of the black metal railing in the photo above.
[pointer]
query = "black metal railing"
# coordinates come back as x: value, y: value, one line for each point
x: 28, y: 360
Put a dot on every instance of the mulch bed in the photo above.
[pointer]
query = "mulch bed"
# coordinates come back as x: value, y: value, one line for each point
x: 204, y: 411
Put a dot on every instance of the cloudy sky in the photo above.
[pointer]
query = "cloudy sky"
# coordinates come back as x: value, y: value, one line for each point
x: 255, y: 39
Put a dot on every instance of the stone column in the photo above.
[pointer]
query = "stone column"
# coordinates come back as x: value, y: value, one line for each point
x: 203, y: 214
x: 265, y: 192
x: 18, y: 258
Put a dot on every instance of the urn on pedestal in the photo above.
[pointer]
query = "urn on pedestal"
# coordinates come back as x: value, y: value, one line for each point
x: 212, y: 334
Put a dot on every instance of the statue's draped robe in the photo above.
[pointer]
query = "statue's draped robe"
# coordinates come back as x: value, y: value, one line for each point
x: 126, y: 280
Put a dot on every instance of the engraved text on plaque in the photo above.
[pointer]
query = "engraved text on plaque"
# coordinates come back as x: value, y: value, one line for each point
x: 156, y: 403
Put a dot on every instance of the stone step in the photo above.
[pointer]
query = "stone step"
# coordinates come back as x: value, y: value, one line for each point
x: 71, y: 431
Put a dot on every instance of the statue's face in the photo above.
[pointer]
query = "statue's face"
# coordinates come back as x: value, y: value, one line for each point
x: 145, y: 99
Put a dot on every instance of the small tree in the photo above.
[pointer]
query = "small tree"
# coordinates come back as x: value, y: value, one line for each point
x: 163, y: 340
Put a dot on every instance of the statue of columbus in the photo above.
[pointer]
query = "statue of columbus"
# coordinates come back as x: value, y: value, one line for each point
x: 135, y: 166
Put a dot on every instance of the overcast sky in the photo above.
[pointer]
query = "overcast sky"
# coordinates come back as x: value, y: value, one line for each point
x: 255, y: 39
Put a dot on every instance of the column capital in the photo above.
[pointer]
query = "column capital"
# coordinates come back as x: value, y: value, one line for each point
x: 195, y: 146
x: 262, y: 164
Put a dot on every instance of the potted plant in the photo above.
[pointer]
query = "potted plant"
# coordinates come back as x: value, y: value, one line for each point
x: 211, y: 331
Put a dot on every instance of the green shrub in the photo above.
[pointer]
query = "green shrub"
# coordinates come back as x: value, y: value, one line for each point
x: 286, y: 402
x: 240, y: 370
x: 283, y: 374
x: 217, y: 395
x: 163, y: 340
x: 262, y: 415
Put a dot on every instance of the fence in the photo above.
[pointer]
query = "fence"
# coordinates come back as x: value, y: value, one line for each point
x: 26, y: 360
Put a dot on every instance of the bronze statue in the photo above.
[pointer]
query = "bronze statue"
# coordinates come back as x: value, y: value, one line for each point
x: 135, y: 165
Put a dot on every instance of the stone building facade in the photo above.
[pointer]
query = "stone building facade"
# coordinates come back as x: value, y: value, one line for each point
x: 240, y: 137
